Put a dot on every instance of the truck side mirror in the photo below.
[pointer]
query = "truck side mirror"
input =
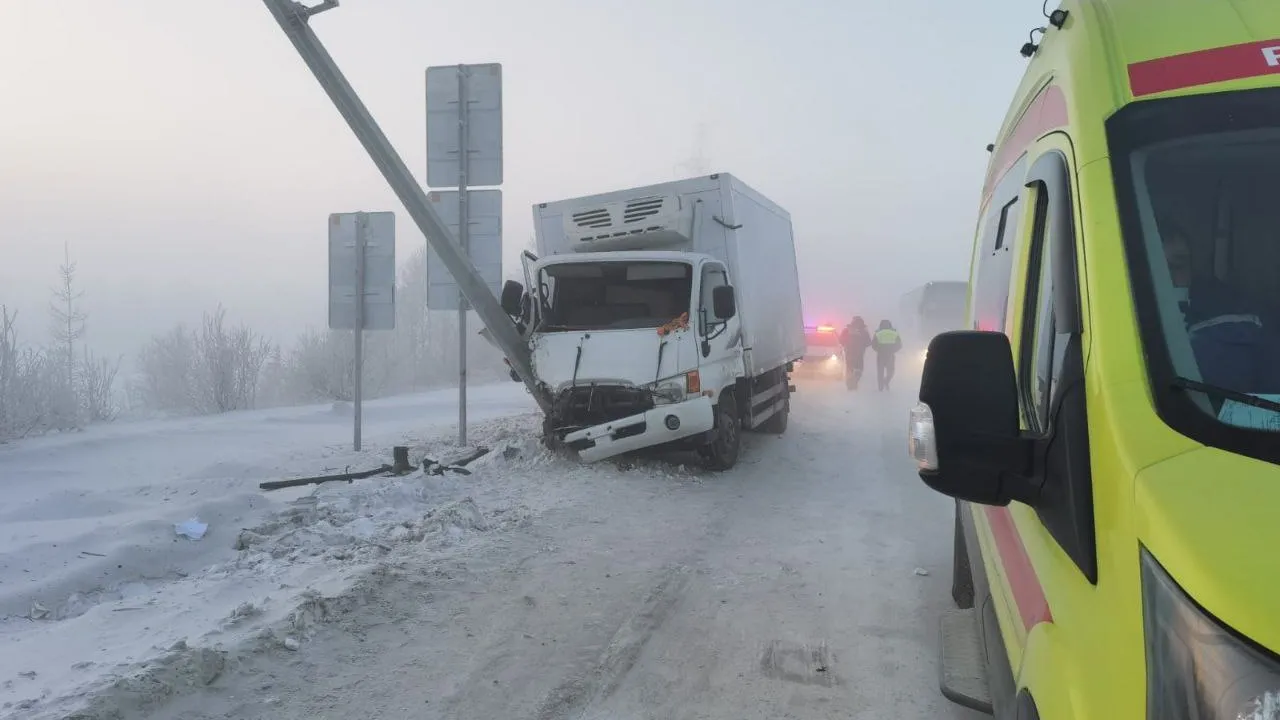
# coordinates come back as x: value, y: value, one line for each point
x: 723, y: 303
x: 964, y: 434
x: 512, y: 292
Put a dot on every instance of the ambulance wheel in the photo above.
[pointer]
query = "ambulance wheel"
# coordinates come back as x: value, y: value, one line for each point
x: 722, y: 452
x: 961, y: 573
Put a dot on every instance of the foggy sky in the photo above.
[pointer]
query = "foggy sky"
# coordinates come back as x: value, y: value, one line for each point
x: 188, y: 157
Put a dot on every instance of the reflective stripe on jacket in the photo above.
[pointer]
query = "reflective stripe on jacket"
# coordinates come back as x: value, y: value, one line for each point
x: 887, y: 340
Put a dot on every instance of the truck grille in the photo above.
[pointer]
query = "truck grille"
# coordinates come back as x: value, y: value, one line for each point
x: 588, y: 405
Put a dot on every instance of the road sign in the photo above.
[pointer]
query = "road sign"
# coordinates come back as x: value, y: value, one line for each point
x: 483, y: 91
x: 484, y: 244
x: 464, y: 149
x: 379, y: 271
x: 362, y: 284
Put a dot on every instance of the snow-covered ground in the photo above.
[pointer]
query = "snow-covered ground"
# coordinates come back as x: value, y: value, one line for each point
x: 805, y: 583
x: 94, y: 581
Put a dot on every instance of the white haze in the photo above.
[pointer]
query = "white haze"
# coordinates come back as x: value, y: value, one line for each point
x: 187, y: 157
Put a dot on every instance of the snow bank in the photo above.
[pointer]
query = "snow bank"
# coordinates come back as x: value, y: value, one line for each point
x: 103, y: 608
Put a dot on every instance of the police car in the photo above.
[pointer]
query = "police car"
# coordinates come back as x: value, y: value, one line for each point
x: 823, y: 354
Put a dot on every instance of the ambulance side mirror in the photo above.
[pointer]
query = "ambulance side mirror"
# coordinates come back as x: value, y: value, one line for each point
x: 964, y: 434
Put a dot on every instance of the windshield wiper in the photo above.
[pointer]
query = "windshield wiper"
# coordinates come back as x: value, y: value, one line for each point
x: 1185, y: 383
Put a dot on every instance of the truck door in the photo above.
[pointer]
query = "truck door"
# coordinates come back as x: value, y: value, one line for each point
x: 719, y: 344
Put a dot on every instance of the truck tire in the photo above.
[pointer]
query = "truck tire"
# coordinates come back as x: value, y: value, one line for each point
x: 722, y: 452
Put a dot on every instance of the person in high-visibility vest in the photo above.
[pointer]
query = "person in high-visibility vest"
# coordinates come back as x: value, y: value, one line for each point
x: 886, y: 342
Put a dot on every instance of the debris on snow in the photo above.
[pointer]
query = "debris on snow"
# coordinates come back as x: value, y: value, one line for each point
x: 191, y: 528
x: 921, y: 571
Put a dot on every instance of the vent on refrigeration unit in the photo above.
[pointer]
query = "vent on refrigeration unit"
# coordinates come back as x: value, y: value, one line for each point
x: 631, y: 224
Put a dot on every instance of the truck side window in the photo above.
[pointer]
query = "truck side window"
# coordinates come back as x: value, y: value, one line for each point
x: 713, y: 276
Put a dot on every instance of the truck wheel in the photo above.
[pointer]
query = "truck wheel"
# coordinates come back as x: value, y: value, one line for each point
x: 722, y: 452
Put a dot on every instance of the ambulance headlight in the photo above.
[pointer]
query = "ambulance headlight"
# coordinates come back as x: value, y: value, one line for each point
x: 1196, y: 668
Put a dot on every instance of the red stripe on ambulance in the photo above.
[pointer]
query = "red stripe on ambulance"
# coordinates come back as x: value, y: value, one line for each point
x: 1046, y: 113
x: 1028, y: 594
x: 1234, y: 62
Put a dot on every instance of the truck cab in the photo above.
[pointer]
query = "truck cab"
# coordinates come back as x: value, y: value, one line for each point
x: 619, y: 339
x: 1117, y: 469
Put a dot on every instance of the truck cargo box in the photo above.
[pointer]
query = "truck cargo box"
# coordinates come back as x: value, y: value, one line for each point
x: 716, y: 215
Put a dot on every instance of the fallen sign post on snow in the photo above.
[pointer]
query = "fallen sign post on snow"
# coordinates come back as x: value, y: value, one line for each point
x: 298, y: 482
x: 401, y: 467
x: 432, y: 467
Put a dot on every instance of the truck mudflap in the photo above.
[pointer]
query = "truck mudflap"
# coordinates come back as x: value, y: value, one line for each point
x: 663, y: 424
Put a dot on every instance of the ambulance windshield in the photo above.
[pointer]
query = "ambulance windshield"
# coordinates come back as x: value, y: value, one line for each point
x: 1200, y: 205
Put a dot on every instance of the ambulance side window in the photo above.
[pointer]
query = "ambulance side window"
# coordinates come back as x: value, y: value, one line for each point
x: 995, y: 252
x: 1039, y: 378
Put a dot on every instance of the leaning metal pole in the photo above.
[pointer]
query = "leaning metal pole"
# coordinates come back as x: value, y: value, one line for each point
x: 293, y: 19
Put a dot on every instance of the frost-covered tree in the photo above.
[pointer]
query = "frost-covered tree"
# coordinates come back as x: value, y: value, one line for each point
x: 25, y: 375
x: 229, y: 362
x: 68, y: 328
x: 216, y: 369
x: 96, y: 390
x: 166, y: 372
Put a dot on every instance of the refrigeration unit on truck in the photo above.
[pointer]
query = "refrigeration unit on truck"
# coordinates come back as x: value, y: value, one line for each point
x: 662, y: 315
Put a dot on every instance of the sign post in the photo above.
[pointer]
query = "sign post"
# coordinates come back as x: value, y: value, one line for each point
x: 362, y: 225
x: 463, y: 236
x: 362, y: 286
x: 464, y: 146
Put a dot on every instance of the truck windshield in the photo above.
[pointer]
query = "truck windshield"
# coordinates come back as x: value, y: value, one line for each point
x: 613, y: 295
x: 1197, y: 185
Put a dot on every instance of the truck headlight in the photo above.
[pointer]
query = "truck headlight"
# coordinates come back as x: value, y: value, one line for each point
x: 669, y: 391
x: 1196, y: 668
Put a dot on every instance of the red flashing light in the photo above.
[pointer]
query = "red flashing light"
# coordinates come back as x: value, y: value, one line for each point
x: 826, y: 328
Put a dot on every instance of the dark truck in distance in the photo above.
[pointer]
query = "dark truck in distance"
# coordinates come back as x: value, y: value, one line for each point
x: 933, y: 308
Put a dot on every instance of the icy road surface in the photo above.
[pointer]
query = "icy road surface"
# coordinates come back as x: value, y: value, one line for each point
x: 534, y: 588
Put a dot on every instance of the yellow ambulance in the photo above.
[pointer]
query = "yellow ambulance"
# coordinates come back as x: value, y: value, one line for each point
x: 1110, y: 423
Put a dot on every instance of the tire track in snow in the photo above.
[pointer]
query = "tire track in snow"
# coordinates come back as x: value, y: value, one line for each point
x: 575, y: 697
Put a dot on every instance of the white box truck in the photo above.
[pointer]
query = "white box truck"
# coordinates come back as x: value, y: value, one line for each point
x: 662, y: 315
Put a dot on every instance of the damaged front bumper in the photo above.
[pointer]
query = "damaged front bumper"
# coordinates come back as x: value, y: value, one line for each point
x: 662, y: 424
